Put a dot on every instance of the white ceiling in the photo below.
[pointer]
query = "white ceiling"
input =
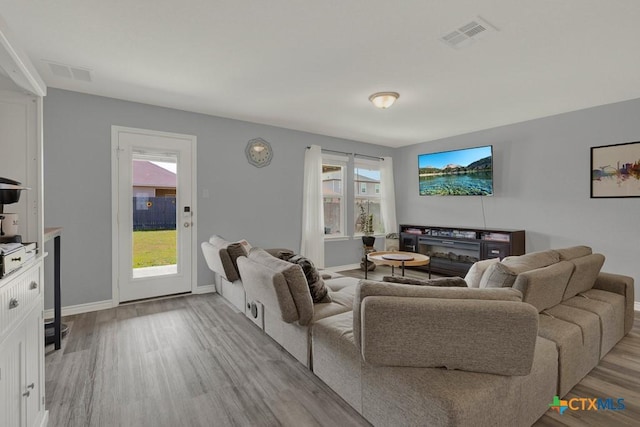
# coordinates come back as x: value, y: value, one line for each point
x: 312, y: 65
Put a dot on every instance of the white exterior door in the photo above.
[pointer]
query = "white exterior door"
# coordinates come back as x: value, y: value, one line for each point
x: 154, y: 213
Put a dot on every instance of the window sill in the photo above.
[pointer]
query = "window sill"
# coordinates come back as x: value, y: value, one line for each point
x: 358, y: 235
x: 335, y: 238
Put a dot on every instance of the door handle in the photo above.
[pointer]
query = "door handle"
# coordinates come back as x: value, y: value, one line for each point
x: 187, y: 224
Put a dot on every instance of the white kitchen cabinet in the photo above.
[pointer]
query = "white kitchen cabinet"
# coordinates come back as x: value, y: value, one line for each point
x: 22, y: 348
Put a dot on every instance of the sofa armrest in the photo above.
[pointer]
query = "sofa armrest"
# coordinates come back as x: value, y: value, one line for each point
x: 622, y: 285
x: 490, y: 336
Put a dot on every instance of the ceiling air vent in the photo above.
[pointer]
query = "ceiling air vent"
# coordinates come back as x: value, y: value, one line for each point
x: 69, y: 71
x: 468, y: 33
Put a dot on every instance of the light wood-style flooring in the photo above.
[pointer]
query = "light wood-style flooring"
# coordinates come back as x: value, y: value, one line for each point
x: 185, y: 361
x: 195, y: 361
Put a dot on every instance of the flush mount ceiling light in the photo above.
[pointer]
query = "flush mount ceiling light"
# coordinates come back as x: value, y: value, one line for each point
x: 384, y: 100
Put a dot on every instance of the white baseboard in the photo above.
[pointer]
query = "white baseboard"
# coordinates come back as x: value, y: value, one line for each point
x: 636, y: 305
x: 206, y: 289
x: 103, y: 305
x: 80, y: 308
x: 343, y: 267
x: 45, y: 419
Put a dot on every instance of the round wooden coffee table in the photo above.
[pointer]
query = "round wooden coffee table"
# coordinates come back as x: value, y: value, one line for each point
x: 398, y: 259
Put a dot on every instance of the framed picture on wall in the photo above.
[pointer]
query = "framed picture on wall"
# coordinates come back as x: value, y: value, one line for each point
x: 615, y: 170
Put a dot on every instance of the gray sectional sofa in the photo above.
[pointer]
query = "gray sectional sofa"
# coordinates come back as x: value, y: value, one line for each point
x: 279, y: 288
x: 495, y: 353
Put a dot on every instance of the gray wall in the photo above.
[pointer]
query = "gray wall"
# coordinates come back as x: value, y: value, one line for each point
x: 261, y: 205
x: 542, y: 185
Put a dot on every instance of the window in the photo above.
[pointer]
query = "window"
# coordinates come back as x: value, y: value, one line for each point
x: 367, y: 194
x: 333, y: 195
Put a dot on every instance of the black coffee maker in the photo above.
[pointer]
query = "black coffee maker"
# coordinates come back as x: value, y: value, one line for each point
x: 10, y: 191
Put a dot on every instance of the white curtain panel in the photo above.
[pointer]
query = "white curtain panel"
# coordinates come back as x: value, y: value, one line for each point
x: 312, y: 245
x: 387, y: 196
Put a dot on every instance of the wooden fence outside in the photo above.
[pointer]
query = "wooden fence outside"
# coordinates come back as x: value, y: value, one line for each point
x: 154, y: 213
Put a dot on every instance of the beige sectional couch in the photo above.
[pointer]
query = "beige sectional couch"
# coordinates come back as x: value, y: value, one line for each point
x: 422, y: 355
x: 287, y: 312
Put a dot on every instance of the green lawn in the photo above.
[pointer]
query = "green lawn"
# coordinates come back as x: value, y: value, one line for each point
x: 153, y: 248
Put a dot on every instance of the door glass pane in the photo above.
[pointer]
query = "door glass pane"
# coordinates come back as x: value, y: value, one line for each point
x: 155, y: 248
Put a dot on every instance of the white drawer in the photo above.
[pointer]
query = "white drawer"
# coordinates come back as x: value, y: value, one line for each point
x: 17, y: 296
x: 13, y: 261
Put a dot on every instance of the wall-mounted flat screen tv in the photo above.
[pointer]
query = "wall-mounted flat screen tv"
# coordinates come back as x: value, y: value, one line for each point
x: 466, y: 172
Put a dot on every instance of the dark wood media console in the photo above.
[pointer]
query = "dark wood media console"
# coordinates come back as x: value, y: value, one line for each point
x: 453, y: 250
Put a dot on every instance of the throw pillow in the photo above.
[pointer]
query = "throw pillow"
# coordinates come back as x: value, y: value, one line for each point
x: 448, y: 282
x: 474, y: 275
x: 319, y: 292
x: 283, y: 254
x: 236, y: 250
x: 498, y: 275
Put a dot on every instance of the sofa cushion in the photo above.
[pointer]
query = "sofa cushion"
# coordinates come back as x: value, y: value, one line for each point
x: 338, y: 283
x: 498, y: 275
x: 573, y: 358
x: 367, y: 288
x: 451, y: 282
x: 336, y: 359
x: 585, y: 273
x: 394, y: 396
x: 573, y: 252
x: 581, y: 330
x: 544, y: 287
x: 531, y: 261
x: 474, y: 275
x: 294, y: 277
x: 610, y: 309
x: 326, y: 274
x: 341, y: 303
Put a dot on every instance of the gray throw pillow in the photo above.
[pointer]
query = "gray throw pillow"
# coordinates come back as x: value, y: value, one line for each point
x: 447, y: 282
x: 498, y: 275
x: 319, y: 292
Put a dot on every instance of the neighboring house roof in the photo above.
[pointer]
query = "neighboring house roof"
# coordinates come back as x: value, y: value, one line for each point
x: 362, y: 178
x: 147, y: 174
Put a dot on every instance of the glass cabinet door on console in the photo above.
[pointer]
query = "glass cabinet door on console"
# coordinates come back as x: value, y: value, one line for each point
x: 408, y: 242
x: 450, y: 255
x: 495, y: 250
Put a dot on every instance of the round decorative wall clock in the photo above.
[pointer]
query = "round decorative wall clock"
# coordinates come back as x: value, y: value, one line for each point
x: 259, y: 152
